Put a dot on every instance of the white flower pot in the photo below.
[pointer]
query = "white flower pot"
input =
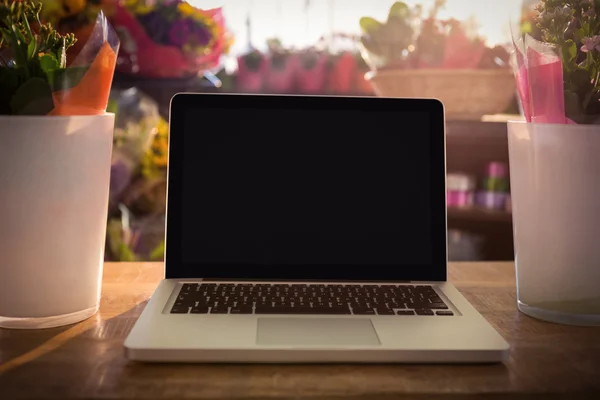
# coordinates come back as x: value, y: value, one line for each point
x: 555, y: 184
x: 54, y: 185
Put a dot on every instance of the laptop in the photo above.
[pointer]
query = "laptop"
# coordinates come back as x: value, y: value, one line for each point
x: 308, y: 230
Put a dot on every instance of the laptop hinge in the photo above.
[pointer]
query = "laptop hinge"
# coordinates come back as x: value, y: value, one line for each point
x: 293, y: 280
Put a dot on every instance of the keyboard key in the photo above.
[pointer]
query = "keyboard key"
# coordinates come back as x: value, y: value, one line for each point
x: 385, y: 311
x: 405, y: 312
x: 180, y: 310
x: 268, y: 310
x: 219, y: 310
x: 332, y: 310
x: 446, y: 313
x: 202, y: 309
x: 424, y: 312
x: 437, y: 306
x: 363, y: 311
x: 188, y: 287
x: 303, y: 310
x: 241, y: 310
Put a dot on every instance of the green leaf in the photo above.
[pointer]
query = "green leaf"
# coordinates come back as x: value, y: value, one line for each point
x: 31, y: 49
x: 399, y: 10
x: 572, y: 106
x: 158, y: 254
x: 369, y: 25
x: 48, y: 63
x: 9, y: 83
x: 34, y: 97
x: 112, y: 107
x: 580, y: 34
x: 126, y: 254
x: 371, y: 46
x: 569, y: 52
x: 18, y: 47
x: 581, y: 78
x: 66, y: 78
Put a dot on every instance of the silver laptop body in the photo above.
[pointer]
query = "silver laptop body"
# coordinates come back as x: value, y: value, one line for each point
x: 308, y: 230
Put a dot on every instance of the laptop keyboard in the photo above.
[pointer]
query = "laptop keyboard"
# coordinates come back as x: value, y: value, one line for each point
x: 229, y: 298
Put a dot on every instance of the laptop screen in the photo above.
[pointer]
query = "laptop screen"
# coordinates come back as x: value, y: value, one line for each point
x: 306, y: 193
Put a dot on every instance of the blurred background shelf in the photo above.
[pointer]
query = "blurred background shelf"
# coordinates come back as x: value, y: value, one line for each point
x: 470, y: 146
x: 479, y: 214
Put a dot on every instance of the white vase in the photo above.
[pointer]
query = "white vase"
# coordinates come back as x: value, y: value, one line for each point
x: 555, y: 184
x: 54, y: 186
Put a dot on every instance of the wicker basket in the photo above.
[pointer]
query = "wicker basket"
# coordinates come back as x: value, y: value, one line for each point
x: 466, y: 94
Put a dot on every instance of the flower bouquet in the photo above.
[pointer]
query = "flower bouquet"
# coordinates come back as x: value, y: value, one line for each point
x: 417, y: 55
x: 555, y: 165
x: 138, y: 181
x: 55, y: 151
x: 136, y: 123
x: 168, y: 39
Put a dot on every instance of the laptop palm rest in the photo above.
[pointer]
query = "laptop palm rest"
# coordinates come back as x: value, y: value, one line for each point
x: 316, y: 332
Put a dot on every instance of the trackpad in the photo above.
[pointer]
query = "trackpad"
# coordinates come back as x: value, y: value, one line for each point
x: 316, y: 332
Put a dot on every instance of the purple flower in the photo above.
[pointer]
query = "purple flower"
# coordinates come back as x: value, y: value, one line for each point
x: 202, y: 35
x: 120, y: 177
x: 156, y: 26
x: 186, y: 31
x: 591, y: 43
x: 179, y: 33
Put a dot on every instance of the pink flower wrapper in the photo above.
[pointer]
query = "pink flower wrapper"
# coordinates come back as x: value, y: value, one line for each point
x: 546, y: 84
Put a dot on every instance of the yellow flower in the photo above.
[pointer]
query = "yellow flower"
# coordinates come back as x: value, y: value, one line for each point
x: 163, y: 127
x: 55, y: 10
x: 186, y: 9
x: 138, y: 7
x: 143, y: 9
x: 73, y: 7
x: 160, y: 146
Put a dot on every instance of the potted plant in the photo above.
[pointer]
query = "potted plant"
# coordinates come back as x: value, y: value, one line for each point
x: 555, y: 165
x: 341, y: 68
x: 312, y: 71
x: 252, y: 71
x: 55, y: 155
x: 281, y: 74
x: 412, y: 55
x: 341, y: 64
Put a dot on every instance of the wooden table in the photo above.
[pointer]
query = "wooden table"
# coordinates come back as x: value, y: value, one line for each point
x: 86, y: 360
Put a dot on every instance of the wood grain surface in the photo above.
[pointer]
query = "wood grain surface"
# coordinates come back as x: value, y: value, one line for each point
x: 86, y: 360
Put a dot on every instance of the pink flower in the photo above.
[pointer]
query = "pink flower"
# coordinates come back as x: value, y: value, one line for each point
x: 591, y: 43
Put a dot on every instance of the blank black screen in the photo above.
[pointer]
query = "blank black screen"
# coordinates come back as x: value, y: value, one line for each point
x: 296, y: 189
